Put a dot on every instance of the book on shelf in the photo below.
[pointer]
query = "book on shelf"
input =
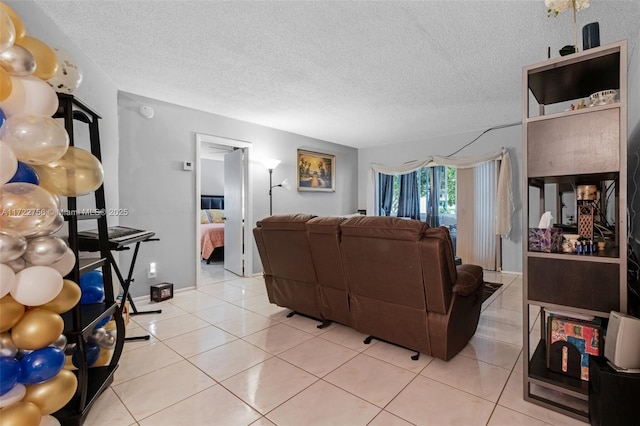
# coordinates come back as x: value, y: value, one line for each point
x: 570, y: 342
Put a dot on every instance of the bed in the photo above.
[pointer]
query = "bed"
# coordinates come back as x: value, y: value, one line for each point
x: 211, y: 226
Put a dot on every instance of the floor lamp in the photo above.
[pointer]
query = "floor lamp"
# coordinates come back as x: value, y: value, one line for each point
x: 271, y: 164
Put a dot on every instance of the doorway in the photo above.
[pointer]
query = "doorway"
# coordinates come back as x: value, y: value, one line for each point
x: 230, y: 158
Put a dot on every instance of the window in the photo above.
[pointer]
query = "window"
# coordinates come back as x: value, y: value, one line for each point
x: 437, y: 196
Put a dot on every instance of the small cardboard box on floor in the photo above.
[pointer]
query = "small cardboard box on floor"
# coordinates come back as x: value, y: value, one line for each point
x: 162, y: 291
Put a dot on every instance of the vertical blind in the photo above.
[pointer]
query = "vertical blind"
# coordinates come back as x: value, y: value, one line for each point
x: 477, y: 205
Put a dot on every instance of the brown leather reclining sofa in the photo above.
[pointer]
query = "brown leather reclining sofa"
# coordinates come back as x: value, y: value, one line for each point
x: 393, y: 279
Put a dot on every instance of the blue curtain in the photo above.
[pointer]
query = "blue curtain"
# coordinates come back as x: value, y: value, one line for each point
x: 409, y: 199
x: 386, y: 193
x: 433, y: 208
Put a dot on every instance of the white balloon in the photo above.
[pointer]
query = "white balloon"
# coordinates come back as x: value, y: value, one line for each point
x: 7, y: 279
x: 14, y: 395
x: 8, y: 163
x: 30, y: 95
x: 66, y: 264
x: 68, y: 76
x: 36, y: 285
x: 49, y: 420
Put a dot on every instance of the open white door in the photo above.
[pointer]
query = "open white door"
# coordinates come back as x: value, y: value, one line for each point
x: 234, y: 211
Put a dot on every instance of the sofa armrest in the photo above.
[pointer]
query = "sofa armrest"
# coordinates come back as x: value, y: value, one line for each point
x: 469, y: 279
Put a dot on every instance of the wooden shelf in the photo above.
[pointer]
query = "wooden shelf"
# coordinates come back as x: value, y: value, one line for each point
x: 90, y: 316
x: 576, y: 76
x: 538, y: 370
x: 609, y: 255
x: 90, y: 263
x: 573, y: 112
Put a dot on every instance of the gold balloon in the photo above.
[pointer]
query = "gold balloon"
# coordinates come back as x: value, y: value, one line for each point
x: 52, y: 395
x: 103, y: 358
x: 7, y: 31
x: 21, y: 414
x: 44, y: 56
x: 37, y: 328
x: 77, y: 172
x: 11, y: 312
x: 68, y: 363
x: 6, y: 86
x: 68, y: 297
x: 15, y: 18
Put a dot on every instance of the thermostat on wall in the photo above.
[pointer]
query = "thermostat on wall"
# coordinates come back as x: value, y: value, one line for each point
x: 187, y: 165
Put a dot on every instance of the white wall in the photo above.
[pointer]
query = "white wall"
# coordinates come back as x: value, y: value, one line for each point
x: 510, y: 138
x: 97, y: 91
x: 161, y: 196
x: 212, y: 177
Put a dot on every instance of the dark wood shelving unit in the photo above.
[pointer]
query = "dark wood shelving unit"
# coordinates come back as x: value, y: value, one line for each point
x: 81, y: 320
x: 562, y: 150
x: 98, y: 379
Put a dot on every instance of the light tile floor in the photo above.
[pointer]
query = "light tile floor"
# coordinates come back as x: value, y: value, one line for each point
x: 223, y: 355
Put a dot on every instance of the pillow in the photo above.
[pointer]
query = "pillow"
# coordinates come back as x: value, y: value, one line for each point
x: 204, y: 217
x: 216, y: 215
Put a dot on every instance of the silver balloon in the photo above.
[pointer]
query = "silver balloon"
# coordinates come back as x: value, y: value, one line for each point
x: 70, y: 348
x: 109, y: 341
x: 52, y: 228
x: 17, y: 265
x: 43, y: 251
x: 97, y: 335
x: 7, y: 347
x: 17, y: 61
x: 61, y: 342
x: 11, y: 247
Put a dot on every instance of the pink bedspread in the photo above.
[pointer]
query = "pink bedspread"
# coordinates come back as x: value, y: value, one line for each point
x: 211, y: 236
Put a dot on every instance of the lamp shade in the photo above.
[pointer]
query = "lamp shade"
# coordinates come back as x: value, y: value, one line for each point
x: 270, y: 163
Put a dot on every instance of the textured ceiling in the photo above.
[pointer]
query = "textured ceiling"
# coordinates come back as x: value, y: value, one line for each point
x: 356, y: 73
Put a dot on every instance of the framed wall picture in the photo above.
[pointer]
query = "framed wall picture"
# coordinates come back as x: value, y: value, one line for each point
x: 316, y: 171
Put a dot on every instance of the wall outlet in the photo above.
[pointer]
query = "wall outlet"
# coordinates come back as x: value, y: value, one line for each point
x: 153, y: 272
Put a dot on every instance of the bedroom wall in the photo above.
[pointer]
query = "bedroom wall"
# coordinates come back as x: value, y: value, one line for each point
x: 510, y: 138
x: 161, y: 196
x: 212, y: 177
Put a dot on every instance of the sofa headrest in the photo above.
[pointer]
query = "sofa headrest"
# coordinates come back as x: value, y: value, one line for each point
x: 324, y: 225
x: 285, y: 222
x: 392, y: 228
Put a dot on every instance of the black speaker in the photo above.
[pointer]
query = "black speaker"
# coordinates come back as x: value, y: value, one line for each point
x: 613, y: 396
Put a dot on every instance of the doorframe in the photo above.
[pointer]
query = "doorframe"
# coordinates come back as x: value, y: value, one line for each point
x: 201, y: 139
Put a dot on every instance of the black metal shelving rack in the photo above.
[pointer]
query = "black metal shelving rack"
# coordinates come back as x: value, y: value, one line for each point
x: 80, y: 321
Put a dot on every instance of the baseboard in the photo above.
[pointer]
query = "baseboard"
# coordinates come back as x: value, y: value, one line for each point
x: 511, y: 272
x: 145, y: 298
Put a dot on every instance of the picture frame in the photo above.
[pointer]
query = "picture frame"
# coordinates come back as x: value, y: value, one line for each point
x: 316, y: 172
